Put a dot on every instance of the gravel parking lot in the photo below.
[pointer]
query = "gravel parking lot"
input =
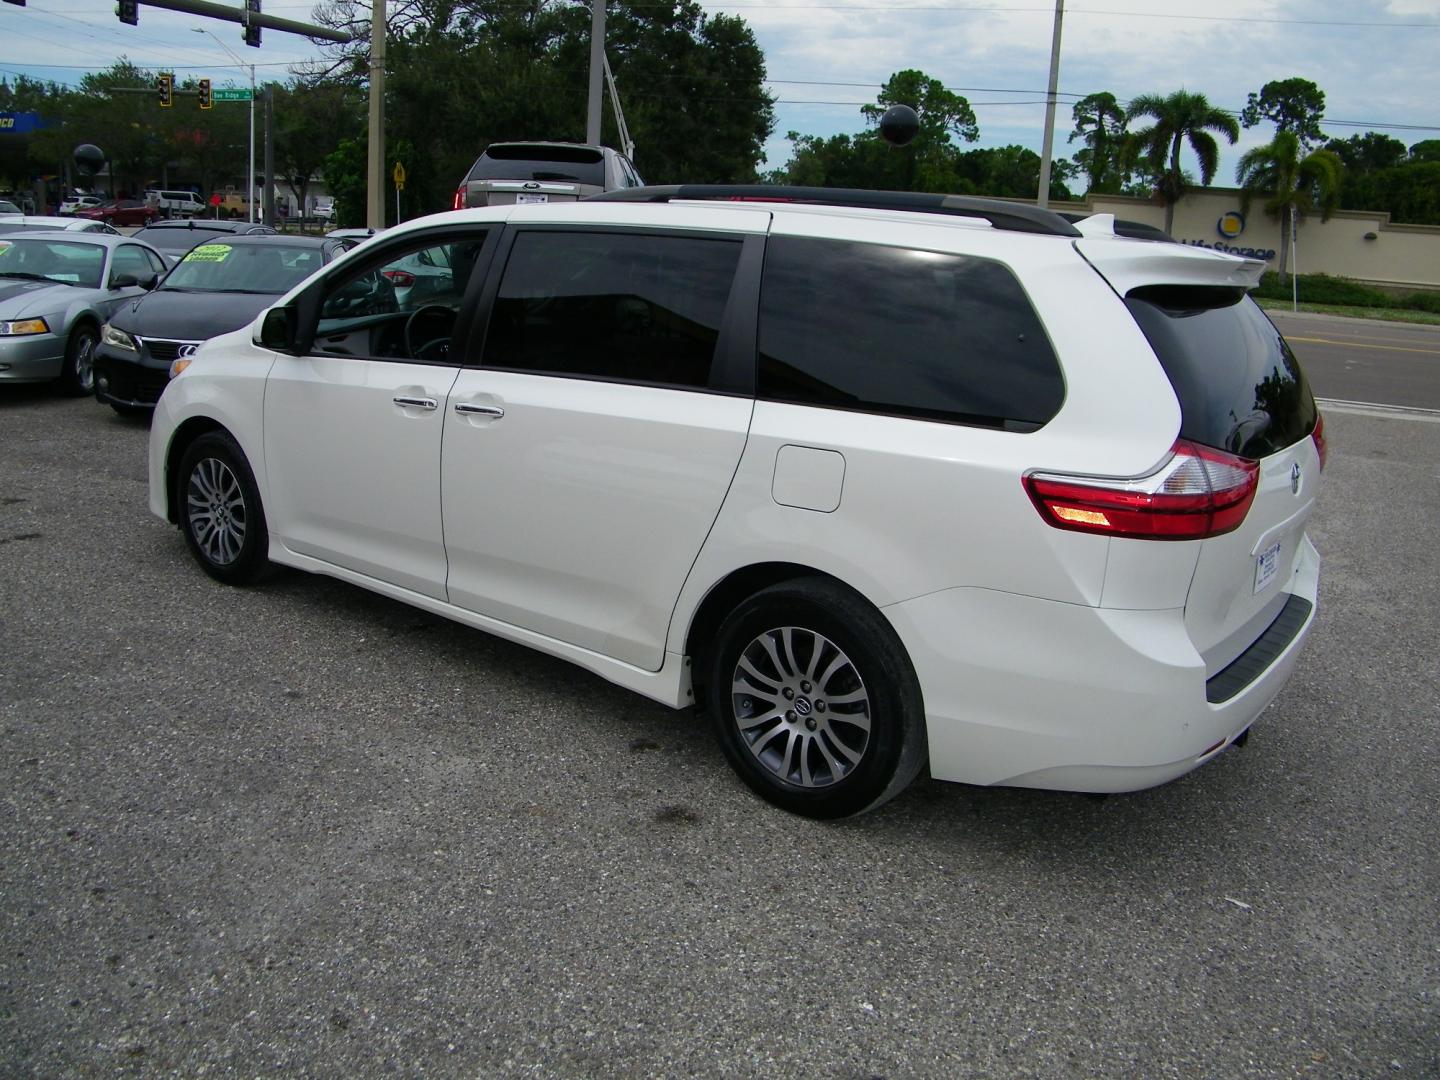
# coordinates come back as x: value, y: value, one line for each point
x: 300, y: 829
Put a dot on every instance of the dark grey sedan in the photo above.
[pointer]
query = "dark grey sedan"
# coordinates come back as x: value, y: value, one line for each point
x: 56, y: 290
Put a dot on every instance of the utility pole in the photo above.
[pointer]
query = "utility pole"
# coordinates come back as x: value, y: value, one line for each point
x: 597, y: 66
x: 375, y: 163
x: 270, y: 155
x: 1042, y: 198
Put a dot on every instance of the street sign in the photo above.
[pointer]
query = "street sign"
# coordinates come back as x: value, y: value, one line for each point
x: 399, y: 176
x: 243, y: 94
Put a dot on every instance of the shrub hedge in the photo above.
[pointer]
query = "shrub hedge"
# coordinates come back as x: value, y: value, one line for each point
x: 1324, y: 289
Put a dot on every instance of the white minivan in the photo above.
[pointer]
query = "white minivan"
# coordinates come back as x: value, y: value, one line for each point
x: 176, y: 204
x: 878, y: 479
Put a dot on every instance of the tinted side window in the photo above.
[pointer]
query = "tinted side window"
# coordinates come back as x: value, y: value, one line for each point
x: 903, y: 332
x: 1239, y: 385
x: 628, y: 306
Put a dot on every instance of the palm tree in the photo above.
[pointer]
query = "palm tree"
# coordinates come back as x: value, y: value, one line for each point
x: 1180, y: 118
x: 1290, y: 183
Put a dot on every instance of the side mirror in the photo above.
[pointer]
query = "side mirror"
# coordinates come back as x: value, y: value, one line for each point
x: 150, y: 282
x: 277, y: 330
x: 124, y: 281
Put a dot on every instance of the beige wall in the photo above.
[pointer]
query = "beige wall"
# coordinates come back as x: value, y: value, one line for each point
x: 1405, y: 256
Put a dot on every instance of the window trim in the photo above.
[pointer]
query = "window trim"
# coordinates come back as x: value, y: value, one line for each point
x: 733, y: 371
x: 308, y: 304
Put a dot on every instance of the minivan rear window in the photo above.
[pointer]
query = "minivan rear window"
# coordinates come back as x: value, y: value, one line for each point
x: 572, y: 164
x: 1239, y: 385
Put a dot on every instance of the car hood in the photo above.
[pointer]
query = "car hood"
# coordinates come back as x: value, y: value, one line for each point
x: 190, y: 316
x: 19, y: 297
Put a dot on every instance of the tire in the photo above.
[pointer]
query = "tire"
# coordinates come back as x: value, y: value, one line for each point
x: 77, y: 376
x: 220, y: 511
x: 110, y: 221
x: 796, y: 673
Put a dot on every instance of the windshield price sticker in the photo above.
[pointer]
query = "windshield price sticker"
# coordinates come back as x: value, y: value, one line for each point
x: 209, y: 253
x: 5, y: 247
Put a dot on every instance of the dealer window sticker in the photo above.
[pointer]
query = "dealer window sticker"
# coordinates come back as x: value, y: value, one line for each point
x: 209, y: 253
x: 5, y: 247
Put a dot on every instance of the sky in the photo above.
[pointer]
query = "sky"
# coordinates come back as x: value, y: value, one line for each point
x: 1378, y: 61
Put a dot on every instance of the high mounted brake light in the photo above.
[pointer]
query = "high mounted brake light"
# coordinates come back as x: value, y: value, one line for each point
x: 1197, y: 492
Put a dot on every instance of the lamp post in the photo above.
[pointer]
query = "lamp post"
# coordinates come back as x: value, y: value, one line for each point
x: 250, y: 161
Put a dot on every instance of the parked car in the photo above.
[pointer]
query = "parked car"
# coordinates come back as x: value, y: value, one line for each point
x: 72, y: 203
x: 8, y: 207
x: 125, y: 212
x: 174, y: 238
x: 56, y: 290
x: 324, y: 209
x: 543, y: 172
x: 218, y: 286
x: 47, y: 223
x: 875, y: 476
x: 176, y: 204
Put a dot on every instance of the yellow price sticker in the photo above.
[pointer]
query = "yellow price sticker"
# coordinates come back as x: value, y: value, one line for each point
x: 209, y: 253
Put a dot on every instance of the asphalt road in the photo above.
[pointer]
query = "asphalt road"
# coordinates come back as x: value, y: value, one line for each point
x: 302, y: 830
x: 1387, y: 363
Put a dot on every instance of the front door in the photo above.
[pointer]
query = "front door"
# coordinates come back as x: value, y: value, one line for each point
x: 587, y: 457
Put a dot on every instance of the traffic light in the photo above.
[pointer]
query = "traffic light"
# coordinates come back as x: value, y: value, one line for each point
x: 166, y: 85
x: 129, y: 12
x: 252, y: 30
x: 204, y: 91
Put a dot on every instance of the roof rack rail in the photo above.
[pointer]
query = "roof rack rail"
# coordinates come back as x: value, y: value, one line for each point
x: 1015, y: 217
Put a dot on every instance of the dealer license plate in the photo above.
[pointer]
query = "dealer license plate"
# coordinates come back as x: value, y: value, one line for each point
x: 1267, y: 565
x: 527, y: 198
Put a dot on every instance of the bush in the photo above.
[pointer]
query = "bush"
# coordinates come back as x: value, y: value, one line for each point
x: 1421, y: 301
x: 1323, y: 289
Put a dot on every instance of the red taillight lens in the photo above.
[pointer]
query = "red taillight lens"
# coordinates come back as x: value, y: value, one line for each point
x: 459, y: 203
x: 1197, y: 492
x: 401, y: 279
x: 1318, y: 435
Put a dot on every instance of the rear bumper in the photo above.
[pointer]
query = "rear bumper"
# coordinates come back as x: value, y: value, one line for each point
x: 1032, y: 693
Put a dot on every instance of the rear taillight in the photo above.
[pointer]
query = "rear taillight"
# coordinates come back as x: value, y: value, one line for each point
x: 401, y: 279
x: 1318, y: 435
x: 459, y: 203
x: 1196, y: 492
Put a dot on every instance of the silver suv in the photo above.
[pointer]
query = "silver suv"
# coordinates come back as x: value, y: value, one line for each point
x: 542, y: 172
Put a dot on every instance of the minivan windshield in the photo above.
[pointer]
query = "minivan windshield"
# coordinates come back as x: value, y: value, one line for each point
x: 243, y: 268
x: 1239, y: 385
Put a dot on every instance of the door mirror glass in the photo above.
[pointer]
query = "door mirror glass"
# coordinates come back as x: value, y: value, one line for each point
x: 277, y: 329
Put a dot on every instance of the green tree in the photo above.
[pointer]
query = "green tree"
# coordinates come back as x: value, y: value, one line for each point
x: 1295, y: 105
x: 1100, y: 123
x: 1292, y: 183
x: 461, y: 76
x: 311, y: 120
x: 1180, y: 118
x: 1429, y: 150
x: 1366, y: 153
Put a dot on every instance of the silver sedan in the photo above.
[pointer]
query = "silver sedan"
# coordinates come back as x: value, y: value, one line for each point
x: 57, y: 290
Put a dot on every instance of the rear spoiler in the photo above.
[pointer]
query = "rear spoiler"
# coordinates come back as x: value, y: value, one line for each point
x: 1127, y: 265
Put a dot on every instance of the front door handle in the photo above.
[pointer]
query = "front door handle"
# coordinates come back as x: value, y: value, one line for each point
x: 468, y: 409
x: 416, y: 402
